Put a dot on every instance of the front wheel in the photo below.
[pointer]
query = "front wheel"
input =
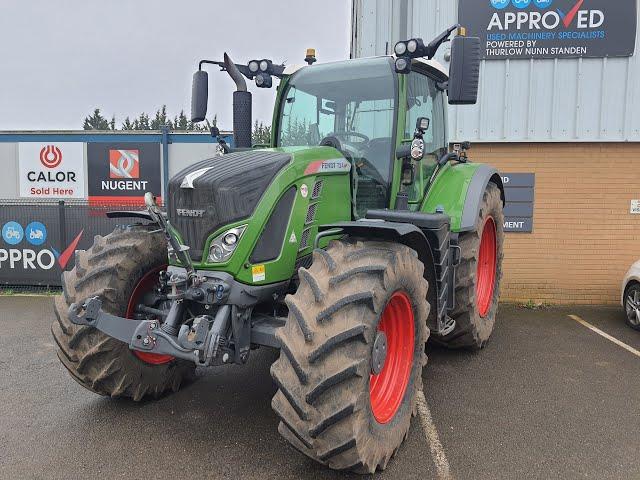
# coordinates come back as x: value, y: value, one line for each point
x: 122, y: 269
x: 352, y: 353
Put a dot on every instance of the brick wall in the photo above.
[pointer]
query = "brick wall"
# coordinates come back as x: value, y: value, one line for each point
x: 584, y: 237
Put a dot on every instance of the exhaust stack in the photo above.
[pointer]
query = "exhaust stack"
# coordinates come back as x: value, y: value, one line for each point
x: 241, y: 106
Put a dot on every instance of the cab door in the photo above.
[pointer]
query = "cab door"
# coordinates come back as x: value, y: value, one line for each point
x: 424, y: 99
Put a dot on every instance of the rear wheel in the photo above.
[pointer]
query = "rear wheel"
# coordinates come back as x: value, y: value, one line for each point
x: 632, y: 305
x: 478, y: 276
x: 352, y: 353
x: 122, y: 269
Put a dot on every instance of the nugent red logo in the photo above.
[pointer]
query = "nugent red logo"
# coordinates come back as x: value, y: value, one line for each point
x: 124, y: 164
x: 50, y: 156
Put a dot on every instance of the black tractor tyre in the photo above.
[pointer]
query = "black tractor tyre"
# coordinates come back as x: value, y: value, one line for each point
x: 111, y: 269
x: 326, y: 390
x: 475, y: 309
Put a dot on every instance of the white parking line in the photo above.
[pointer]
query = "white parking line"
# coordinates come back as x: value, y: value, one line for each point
x: 605, y: 335
x: 431, y: 434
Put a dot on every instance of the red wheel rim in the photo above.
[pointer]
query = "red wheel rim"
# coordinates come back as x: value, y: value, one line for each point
x: 386, y: 389
x: 145, y: 285
x: 486, y: 275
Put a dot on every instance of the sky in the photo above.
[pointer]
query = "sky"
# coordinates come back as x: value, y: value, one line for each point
x: 60, y: 59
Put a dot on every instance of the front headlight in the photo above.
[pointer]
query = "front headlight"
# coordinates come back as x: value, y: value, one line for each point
x: 223, y: 246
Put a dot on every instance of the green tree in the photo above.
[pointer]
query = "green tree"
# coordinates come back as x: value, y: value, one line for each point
x: 96, y: 121
x: 127, y: 124
x: 296, y: 133
x: 144, y: 121
x: 261, y: 134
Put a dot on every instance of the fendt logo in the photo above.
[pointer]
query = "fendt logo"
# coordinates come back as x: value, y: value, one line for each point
x: 35, y: 233
x: 124, y: 164
x: 50, y: 156
x: 537, y: 15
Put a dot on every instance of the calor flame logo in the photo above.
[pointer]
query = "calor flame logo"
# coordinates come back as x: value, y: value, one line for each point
x: 50, y: 156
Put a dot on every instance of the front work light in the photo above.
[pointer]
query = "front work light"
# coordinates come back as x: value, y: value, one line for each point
x: 403, y: 65
x: 400, y: 48
x: 253, y: 66
x: 223, y: 246
x: 263, y: 80
x: 265, y: 65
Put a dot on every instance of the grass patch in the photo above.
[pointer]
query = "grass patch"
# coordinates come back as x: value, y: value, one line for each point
x: 533, y: 305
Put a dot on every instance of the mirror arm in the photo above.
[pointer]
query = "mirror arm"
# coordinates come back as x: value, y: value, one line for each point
x: 435, y: 44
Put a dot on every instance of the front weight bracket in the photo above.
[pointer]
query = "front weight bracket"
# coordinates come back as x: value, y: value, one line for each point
x: 142, y: 335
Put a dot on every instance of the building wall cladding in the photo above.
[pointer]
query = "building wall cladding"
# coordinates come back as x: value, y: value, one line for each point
x: 590, y: 99
x: 584, y: 238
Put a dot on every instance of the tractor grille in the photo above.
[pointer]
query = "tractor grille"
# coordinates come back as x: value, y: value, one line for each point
x: 311, y: 213
x: 317, y: 190
x: 223, y: 190
x: 304, y: 238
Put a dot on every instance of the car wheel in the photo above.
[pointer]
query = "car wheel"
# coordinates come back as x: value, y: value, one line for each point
x: 632, y: 305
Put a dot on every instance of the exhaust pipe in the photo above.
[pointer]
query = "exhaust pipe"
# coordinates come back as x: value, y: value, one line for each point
x: 241, y: 106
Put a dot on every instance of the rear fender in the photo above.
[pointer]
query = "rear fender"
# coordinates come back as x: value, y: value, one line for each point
x: 458, y: 191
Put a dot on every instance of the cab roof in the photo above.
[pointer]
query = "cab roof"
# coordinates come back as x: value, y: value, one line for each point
x: 430, y: 66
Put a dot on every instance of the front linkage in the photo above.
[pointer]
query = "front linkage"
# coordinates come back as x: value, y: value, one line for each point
x: 203, y: 338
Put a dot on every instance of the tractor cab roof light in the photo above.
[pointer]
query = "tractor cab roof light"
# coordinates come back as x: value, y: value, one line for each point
x: 403, y: 65
x: 264, y: 80
x: 400, y: 48
x: 254, y: 66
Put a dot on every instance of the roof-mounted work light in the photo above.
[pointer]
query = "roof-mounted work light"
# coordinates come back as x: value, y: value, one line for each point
x: 406, y: 50
x: 261, y: 71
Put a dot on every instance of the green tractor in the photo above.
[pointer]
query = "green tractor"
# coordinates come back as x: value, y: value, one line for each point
x: 345, y: 243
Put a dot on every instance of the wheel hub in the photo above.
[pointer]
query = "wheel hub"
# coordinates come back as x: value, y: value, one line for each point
x: 146, y: 284
x: 396, y: 333
x: 379, y: 354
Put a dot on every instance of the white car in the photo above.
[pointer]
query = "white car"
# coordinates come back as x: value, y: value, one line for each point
x: 631, y: 295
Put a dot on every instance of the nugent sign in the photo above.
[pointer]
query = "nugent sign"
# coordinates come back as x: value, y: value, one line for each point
x: 53, y: 170
x: 123, y: 172
x: 551, y: 28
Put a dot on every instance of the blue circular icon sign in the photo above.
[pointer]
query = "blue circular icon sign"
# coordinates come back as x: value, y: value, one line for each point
x: 36, y: 233
x: 500, y: 4
x: 12, y: 233
x: 543, y: 3
x: 521, y: 3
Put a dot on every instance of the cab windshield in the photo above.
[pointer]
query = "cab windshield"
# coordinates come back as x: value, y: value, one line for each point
x: 350, y: 105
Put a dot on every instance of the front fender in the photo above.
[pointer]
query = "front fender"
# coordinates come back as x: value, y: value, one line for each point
x: 458, y: 190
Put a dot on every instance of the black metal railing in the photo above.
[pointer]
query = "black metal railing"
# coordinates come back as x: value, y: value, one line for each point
x: 39, y: 238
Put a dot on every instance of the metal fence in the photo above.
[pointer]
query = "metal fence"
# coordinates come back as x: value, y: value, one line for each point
x: 39, y: 238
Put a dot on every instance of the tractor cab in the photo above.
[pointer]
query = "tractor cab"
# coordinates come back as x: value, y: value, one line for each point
x: 367, y: 111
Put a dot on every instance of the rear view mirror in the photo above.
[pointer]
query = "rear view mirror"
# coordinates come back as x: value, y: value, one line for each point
x: 199, y: 96
x: 464, y: 73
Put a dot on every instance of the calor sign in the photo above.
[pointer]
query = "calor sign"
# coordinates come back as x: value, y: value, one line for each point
x: 51, y: 170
